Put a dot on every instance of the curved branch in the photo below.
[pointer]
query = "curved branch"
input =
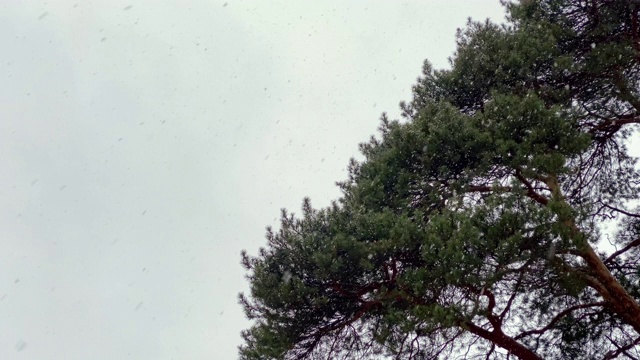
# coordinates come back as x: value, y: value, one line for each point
x: 629, y: 246
x: 613, y: 125
x: 621, y: 349
x: 500, y: 339
x: 622, y: 211
x: 530, y: 190
x: 557, y: 318
x: 485, y: 188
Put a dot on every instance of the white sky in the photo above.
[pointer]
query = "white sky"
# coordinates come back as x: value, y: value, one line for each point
x: 144, y: 144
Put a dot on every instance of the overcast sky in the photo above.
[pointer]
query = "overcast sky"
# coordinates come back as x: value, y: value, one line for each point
x: 144, y: 144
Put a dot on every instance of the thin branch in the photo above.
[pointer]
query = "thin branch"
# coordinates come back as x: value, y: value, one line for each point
x: 507, y: 307
x: 491, y: 350
x: 612, y: 125
x: 621, y: 349
x: 485, y: 188
x: 629, y: 246
x: 495, y: 321
x: 622, y: 211
x: 530, y: 190
x: 558, y: 317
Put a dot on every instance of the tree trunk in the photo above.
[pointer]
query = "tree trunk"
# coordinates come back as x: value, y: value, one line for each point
x: 613, y: 293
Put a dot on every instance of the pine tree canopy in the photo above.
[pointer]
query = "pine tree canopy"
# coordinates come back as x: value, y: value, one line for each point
x: 497, y: 219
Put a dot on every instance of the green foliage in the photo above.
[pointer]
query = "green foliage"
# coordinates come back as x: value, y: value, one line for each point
x: 470, y: 229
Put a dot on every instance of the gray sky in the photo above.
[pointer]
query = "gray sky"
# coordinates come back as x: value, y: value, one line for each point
x: 144, y: 144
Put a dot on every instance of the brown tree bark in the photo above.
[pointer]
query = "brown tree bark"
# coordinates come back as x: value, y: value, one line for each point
x: 502, y: 340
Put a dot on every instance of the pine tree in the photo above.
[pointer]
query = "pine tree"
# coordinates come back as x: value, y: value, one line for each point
x: 474, y: 227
